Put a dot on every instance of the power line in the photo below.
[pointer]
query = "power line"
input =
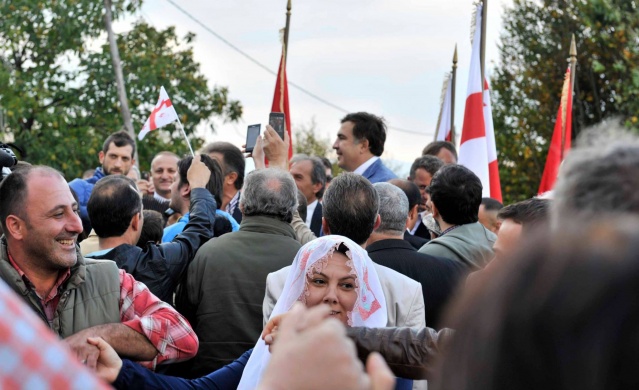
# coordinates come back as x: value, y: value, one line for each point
x: 258, y: 63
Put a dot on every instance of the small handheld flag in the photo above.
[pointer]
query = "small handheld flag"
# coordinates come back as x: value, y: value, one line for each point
x: 163, y: 113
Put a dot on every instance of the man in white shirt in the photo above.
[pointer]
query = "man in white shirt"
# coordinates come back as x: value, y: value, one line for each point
x: 310, y: 178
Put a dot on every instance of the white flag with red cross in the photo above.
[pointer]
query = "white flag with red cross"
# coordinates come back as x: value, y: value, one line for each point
x: 163, y: 113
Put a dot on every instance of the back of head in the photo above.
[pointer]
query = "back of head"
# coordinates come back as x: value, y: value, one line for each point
x: 528, y: 213
x: 491, y: 204
x: 216, y: 181
x: 14, y: 191
x: 120, y: 139
x: 233, y: 159
x: 393, y: 209
x: 430, y: 164
x: 269, y: 192
x: 562, y: 313
x: 113, y: 203
x: 410, y: 190
x: 350, y: 207
x: 152, y: 228
x: 433, y: 148
x: 456, y: 192
x: 370, y: 127
x: 602, y: 179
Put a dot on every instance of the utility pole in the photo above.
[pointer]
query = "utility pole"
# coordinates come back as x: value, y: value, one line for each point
x: 119, y: 77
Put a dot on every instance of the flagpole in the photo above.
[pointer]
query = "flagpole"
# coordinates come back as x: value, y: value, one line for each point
x: 572, y: 60
x: 452, y: 98
x: 185, y: 137
x: 482, y: 53
x: 286, y: 29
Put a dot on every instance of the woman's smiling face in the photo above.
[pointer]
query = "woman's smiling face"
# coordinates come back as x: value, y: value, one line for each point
x: 333, y: 285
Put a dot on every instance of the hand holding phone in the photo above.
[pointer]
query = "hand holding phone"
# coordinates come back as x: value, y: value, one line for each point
x: 276, y: 120
x: 252, y: 132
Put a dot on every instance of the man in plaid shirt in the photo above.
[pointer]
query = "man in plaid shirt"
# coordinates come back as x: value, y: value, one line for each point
x: 79, y: 298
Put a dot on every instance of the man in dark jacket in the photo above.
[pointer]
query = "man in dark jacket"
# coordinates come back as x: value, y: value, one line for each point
x: 115, y: 208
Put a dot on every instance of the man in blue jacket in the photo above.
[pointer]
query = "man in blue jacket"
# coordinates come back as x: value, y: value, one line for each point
x: 360, y: 142
x: 116, y: 158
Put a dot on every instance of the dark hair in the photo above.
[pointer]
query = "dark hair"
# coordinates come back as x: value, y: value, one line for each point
x: 112, y: 204
x: 221, y: 226
x: 410, y: 189
x: 152, y: 228
x: 120, y: 139
x: 301, y: 205
x: 562, y: 313
x: 430, y: 164
x: 368, y: 126
x: 318, y: 172
x: 491, y: 204
x: 456, y: 192
x: 327, y: 165
x: 216, y: 181
x: 233, y: 159
x: 350, y: 207
x: 526, y: 212
x: 14, y: 191
x: 434, y: 147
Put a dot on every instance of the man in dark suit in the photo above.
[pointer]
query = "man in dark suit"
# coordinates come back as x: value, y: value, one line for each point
x: 360, y: 142
x: 386, y: 246
x: 310, y: 177
x: 421, y: 173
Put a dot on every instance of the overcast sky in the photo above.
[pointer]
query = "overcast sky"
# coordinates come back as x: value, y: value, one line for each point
x: 381, y: 56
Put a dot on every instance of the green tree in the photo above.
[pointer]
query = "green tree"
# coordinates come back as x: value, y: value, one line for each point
x: 527, y: 84
x: 307, y: 141
x: 59, y: 98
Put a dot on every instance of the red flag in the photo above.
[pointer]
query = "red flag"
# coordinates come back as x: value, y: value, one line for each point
x: 477, y: 150
x: 560, y: 143
x: 280, y: 100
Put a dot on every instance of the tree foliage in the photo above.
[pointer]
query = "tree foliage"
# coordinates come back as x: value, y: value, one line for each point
x: 308, y: 142
x: 533, y: 59
x: 59, y: 95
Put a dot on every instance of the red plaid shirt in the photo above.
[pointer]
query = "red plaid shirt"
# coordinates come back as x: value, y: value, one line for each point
x: 32, y: 356
x: 168, y: 331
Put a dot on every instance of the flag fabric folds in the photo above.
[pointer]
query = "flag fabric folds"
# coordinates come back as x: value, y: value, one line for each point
x: 477, y: 150
x: 444, y: 130
x: 560, y: 143
x: 280, y: 100
x: 163, y: 113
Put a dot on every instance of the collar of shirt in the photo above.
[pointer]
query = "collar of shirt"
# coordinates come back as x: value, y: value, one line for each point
x: 233, y: 203
x: 419, y: 221
x: 310, y: 209
x: 160, y: 197
x: 362, y: 168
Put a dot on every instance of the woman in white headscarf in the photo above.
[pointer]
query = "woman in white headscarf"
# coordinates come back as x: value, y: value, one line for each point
x: 330, y: 270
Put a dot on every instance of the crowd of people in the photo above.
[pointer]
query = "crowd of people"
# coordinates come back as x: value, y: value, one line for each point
x: 202, y: 276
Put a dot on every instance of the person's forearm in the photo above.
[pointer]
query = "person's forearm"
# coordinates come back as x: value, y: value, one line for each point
x: 409, y: 352
x: 302, y: 232
x: 126, y: 341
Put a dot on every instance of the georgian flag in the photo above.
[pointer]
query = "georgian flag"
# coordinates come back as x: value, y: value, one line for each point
x: 444, y: 130
x: 163, y: 113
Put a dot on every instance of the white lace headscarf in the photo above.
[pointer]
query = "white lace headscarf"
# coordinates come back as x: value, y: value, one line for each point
x: 369, y: 309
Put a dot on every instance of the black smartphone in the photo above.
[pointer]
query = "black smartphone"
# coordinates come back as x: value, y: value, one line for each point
x: 145, y: 175
x: 252, y: 132
x: 276, y: 120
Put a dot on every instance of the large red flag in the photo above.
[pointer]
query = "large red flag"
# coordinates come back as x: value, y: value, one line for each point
x: 560, y: 143
x: 280, y: 100
x: 477, y: 150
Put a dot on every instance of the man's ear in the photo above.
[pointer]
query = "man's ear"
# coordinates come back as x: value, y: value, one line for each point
x: 136, y: 222
x: 101, y: 157
x: 364, y: 145
x: 230, y: 178
x: 185, y: 190
x: 325, y: 228
x: 434, y: 210
x: 16, y: 227
x: 378, y: 221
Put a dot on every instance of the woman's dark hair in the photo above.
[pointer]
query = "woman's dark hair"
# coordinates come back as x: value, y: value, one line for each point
x: 562, y: 313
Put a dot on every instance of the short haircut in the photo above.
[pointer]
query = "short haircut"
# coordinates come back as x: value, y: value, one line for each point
x: 233, y: 159
x: 269, y: 192
x: 410, y: 190
x: 350, y: 207
x: 120, y: 139
x: 434, y: 147
x: 165, y: 153
x: 598, y: 180
x: 301, y: 205
x: 456, y: 192
x: 318, y: 171
x: 430, y: 164
x: 14, y: 191
x: 527, y: 212
x: 216, y: 181
x: 491, y: 204
x: 370, y: 127
x: 112, y: 204
x: 152, y: 228
x: 393, y: 209
x: 222, y: 226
